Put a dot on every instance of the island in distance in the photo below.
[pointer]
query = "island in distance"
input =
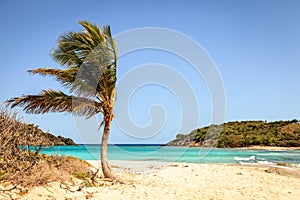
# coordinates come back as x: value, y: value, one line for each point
x: 243, y: 134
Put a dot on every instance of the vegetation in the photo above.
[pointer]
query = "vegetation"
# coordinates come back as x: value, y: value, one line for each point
x: 244, y: 134
x: 90, y: 58
x: 35, y: 136
x: 26, y: 167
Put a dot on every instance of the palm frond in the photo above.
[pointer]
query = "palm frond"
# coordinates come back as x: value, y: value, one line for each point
x: 74, y: 47
x: 93, y: 52
x: 56, y: 101
x: 71, y: 49
x: 107, y: 82
x: 112, y: 43
x: 93, y: 30
x: 63, y: 76
x: 68, y: 78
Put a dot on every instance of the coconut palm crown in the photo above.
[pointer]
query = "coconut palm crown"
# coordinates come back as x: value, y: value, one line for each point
x: 90, y: 59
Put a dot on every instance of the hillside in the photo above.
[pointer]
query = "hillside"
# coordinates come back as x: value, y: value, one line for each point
x: 47, y: 139
x: 243, y: 134
x: 11, y: 126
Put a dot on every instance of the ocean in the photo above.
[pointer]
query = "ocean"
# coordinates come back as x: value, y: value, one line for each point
x: 178, y: 154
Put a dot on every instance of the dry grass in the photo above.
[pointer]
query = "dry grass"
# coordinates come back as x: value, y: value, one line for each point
x: 66, y: 170
x: 49, y: 169
x: 26, y: 168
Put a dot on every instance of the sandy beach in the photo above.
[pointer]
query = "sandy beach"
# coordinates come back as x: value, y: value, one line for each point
x: 270, y: 148
x: 157, y: 180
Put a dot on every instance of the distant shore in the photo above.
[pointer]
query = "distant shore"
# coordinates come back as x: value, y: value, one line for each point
x: 238, y: 134
x: 270, y: 148
x: 266, y: 148
x: 157, y: 180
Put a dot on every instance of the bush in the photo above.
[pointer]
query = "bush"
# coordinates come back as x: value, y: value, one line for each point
x: 20, y: 161
x: 14, y: 134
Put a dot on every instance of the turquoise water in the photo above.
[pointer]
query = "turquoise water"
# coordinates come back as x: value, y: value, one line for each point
x: 177, y: 154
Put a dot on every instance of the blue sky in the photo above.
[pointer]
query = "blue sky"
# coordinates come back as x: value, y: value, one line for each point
x: 254, y: 44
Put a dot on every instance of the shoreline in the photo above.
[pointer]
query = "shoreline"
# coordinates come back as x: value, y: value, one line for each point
x: 266, y: 148
x: 142, y: 165
x: 270, y: 148
x: 148, y: 167
x: 150, y: 180
x: 255, y: 147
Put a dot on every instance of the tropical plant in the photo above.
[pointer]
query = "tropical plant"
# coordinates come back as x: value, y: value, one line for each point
x: 90, y: 59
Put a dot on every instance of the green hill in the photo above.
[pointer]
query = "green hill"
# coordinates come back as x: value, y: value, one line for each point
x: 243, y: 134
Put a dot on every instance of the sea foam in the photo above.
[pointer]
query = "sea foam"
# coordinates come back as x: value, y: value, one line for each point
x: 244, y: 159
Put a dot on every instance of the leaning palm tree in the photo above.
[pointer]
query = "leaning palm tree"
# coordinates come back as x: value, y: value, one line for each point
x: 90, y: 59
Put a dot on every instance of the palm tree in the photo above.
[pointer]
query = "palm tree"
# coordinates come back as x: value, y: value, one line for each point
x: 90, y: 58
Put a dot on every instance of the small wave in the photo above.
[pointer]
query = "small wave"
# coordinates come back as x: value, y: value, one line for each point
x: 244, y: 159
x: 247, y: 163
x: 266, y: 163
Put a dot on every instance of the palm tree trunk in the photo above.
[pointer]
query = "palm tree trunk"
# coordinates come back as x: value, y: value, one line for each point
x: 107, y: 172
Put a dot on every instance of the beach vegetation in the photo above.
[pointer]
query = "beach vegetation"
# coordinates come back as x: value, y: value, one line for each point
x: 90, y: 60
x: 27, y: 167
x: 81, y: 175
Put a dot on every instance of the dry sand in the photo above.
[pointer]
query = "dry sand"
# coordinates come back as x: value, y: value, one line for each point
x: 155, y: 180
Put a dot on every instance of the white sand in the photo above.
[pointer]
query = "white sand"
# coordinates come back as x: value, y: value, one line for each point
x: 154, y: 180
x: 270, y: 148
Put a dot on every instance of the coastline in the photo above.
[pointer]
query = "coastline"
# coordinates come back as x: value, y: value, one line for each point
x: 149, y: 167
x: 152, y: 180
x: 265, y: 148
x: 270, y: 148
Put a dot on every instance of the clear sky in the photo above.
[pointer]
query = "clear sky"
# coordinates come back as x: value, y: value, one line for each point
x: 255, y: 45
